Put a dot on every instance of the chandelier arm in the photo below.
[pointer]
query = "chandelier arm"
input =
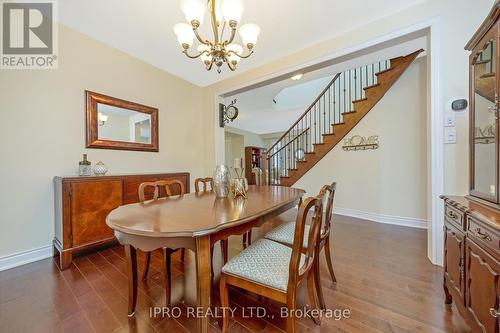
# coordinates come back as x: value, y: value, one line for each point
x: 231, y: 38
x: 214, y: 24
x: 222, y: 31
x: 198, y: 37
x: 209, y: 67
x: 194, y: 56
x: 241, y: 56
x: 231, y: 67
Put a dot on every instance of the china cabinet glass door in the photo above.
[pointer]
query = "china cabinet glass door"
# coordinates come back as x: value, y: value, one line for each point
x: 484, y: 120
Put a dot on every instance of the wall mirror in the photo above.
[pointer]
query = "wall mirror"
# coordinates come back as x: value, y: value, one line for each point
x: 114, y: 123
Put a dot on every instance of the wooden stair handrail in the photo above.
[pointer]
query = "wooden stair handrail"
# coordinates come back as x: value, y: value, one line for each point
x: 289, y: 142
x: 304, y: 114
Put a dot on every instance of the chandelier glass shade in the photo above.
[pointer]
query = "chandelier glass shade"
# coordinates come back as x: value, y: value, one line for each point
x: 225, y: 16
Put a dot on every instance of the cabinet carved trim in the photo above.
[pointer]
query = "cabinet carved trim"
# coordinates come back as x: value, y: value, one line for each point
x: 482, y: 288
x: 472, y: 263
x: 82, y: 204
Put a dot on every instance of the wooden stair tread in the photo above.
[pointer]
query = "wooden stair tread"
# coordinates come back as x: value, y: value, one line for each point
x: 384, y: 71
x: 359, y: 100
x: 372, y: 86
x: 337, y: 124
x: 349, y: 112
x: 488, y: 75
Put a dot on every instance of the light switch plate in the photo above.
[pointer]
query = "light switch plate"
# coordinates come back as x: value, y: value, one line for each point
x: 450, y: 135
x: 449, y: 120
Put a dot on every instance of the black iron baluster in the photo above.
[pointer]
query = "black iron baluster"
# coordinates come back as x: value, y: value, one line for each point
x: 314, y: 125
x: 366, y: 76
x: 350, y: 90
x: 355, y: 85
x: 329, y: 109
x: 324, y: 116
x: 345, y: 97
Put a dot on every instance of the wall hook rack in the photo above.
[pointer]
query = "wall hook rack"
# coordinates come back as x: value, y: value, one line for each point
x: 358, y: 142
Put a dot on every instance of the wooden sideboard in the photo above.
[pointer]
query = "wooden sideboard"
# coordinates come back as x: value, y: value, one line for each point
x: 472, y: 262
x: 82, y: 204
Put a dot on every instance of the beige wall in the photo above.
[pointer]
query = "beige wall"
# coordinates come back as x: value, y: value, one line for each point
x: 459, y: 21
x: 43, y: 134
x: 249, y: 138
x: 391, y: 180
x: 235, y: 148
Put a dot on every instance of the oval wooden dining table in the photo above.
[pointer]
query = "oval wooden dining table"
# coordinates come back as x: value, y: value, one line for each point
x: 196, y: 222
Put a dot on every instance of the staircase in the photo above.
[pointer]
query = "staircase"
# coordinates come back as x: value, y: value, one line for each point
x: 332, y: 115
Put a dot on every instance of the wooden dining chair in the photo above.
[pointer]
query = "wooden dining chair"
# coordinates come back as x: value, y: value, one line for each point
x: 208, y: 184
x: 284, y: 234
x: 167, y: 252
x: 274, y: 270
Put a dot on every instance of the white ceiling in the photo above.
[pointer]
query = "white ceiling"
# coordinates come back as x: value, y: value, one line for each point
x: 143, y: 28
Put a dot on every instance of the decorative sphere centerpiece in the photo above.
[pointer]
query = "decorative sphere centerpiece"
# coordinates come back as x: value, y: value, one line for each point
x: 100, y: 169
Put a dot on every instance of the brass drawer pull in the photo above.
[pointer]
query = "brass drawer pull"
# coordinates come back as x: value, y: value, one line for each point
x: 482, y: 235
x: 452, y: 214
x: 494, y: 313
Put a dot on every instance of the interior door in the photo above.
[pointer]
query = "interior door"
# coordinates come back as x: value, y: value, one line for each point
x: 454, y: 246
x: 483, y: 289
x: 484, y: 119
x: 91, y: 202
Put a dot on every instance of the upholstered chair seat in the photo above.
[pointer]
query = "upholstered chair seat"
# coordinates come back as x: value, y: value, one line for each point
x: 284, y: 234
x: 264, y: 262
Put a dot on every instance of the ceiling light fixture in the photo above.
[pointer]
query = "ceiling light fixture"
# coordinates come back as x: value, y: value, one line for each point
x: 297, y: 77
x: 221, y: 50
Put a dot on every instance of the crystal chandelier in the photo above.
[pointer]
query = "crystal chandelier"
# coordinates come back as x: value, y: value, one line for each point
x: 221, y: 50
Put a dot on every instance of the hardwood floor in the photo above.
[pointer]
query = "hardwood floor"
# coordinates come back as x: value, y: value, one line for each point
x: 384, y: 279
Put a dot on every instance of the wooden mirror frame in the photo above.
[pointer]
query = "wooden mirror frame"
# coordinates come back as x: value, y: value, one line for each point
x: 92, y: 138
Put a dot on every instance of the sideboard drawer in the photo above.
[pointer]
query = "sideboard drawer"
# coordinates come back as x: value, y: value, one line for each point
x: 454, y: 216
x: 483, y: 234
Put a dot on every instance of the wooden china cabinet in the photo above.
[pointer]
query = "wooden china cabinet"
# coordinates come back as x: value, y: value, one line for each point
x: 254, y: 158
x: 472, y: 223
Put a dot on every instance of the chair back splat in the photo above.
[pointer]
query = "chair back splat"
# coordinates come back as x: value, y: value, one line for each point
x: 205, y: 181
x: 296, y: 271
x: 157, y: 185
x: 327, y: 221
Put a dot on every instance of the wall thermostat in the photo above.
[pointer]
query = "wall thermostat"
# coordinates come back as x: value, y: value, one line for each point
x: 459, y: 105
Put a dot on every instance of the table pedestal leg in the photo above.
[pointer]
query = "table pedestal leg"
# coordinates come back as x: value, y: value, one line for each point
x: 203, y: 280
x: 131, y: 255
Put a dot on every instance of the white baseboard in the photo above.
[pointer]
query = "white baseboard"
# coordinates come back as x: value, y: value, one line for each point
x: 380, y: 218
x: 25, y: 257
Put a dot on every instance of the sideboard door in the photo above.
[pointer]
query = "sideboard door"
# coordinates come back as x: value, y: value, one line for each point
x: 483, y: 289
x: 454, y: 245
x: 91, y: 202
